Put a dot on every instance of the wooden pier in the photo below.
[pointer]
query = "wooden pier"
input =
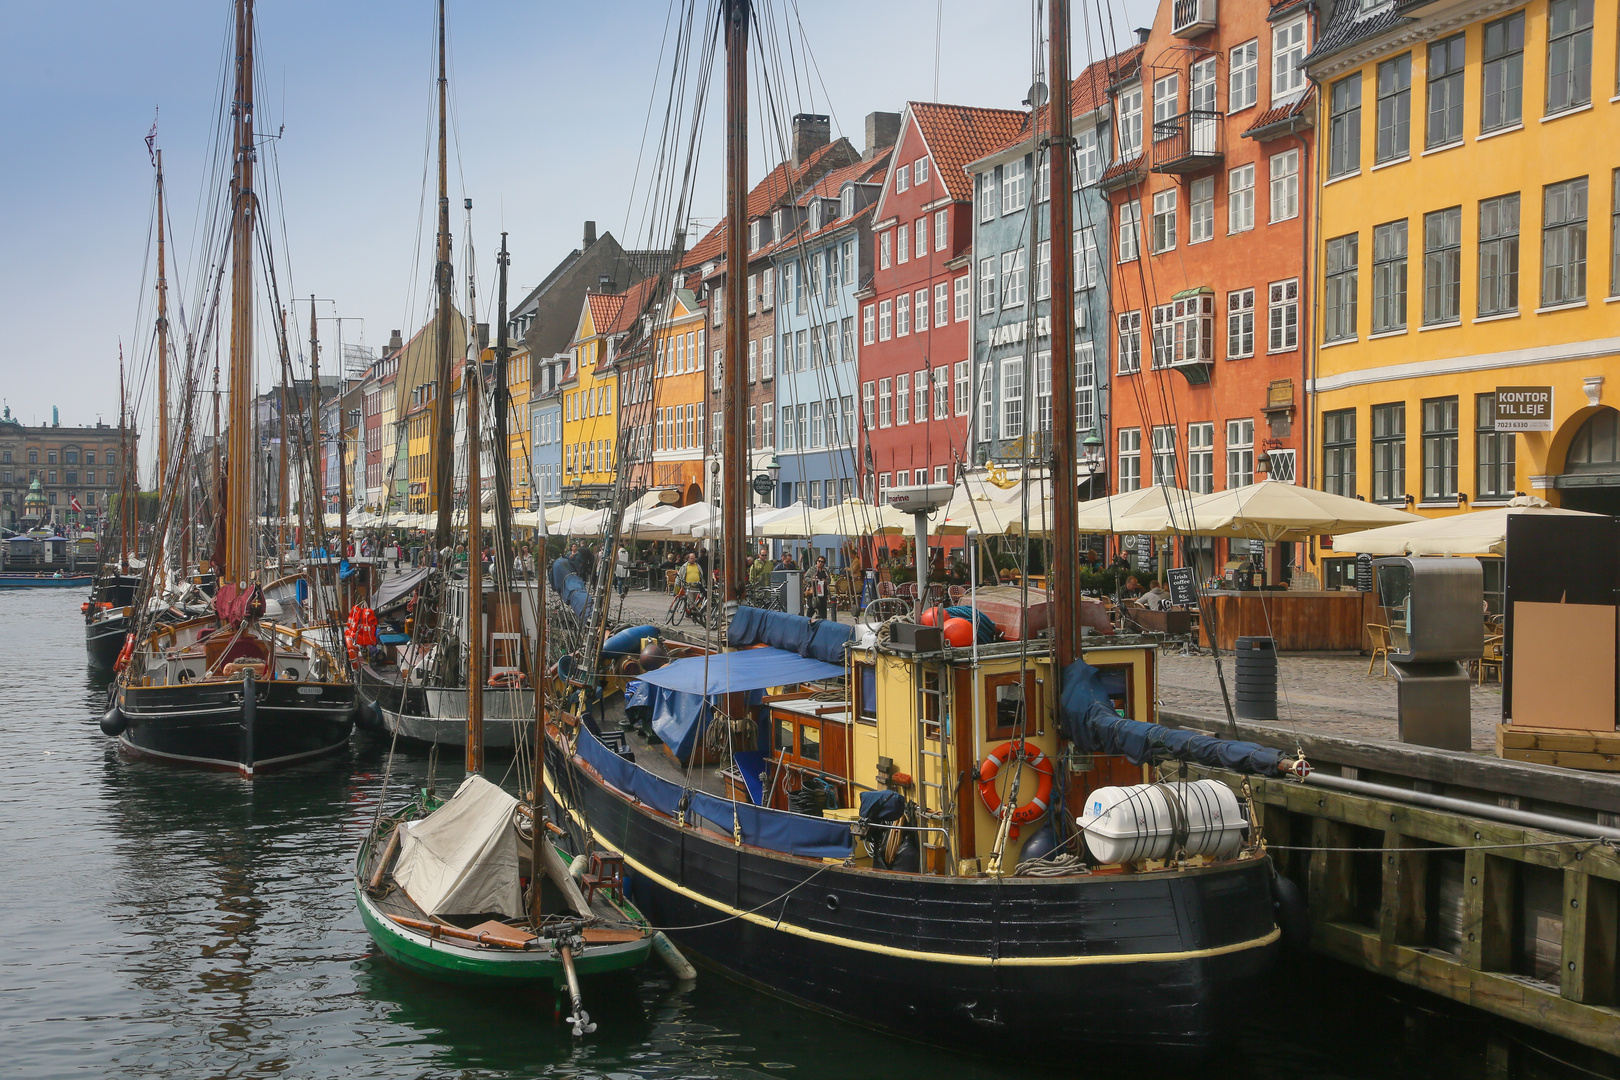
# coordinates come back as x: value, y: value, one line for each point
x: 1517, y: 921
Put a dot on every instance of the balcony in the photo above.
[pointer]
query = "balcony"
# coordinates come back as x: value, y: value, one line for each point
x: 1187, y: 143
x: 1190, y: 18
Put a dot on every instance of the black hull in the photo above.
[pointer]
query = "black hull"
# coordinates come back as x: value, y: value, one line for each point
x: 104, y: 639
x: 1030, y: 967
x: 208, y: 725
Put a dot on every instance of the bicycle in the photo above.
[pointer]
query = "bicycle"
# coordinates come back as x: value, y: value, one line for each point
x: 767, y: 596
x: 684, y: 606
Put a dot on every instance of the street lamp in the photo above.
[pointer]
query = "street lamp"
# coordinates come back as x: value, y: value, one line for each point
x: 1091, y: 456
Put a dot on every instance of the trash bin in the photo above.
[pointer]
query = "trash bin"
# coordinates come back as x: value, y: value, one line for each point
x: 1256, y: 678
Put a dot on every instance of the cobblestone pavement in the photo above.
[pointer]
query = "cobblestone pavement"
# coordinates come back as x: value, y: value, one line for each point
x: 1330, y: 695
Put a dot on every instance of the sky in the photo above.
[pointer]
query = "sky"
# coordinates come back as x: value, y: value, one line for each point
x: 549, y: 104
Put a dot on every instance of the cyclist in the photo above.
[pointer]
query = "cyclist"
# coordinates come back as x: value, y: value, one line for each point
x: 692, y: 580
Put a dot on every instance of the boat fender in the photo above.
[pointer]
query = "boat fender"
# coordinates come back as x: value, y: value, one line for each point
x: 678, y: 965
x: 113, y: 721
x: 1293, y: 917
x: 125, y: 654
x: 1040, y: 843
x: 578, y: 867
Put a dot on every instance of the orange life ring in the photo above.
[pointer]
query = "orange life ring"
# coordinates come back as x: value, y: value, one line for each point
x: 1035, y: 759
x: 507, y: 680
x: 125, y: 654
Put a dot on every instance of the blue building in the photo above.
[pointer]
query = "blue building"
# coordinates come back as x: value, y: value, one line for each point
x: 545, y: 428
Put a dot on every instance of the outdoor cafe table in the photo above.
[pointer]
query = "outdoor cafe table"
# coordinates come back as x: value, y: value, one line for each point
x: 1299, y: 620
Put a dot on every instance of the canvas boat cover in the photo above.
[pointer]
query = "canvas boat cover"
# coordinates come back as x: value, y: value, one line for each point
x: 462, y: 859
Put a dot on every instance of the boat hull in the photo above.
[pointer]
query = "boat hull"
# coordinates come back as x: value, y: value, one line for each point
x: 435, y: 716
x: 208, y: 725
x: 103, y: 638
x: 30, y: 581
x: 1039, y: 967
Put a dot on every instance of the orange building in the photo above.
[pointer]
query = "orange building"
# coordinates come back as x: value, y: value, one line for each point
x: 1208, y: 192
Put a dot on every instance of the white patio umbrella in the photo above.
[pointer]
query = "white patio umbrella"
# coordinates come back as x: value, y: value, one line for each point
x: 680, y: 525
x: 788, y: 523
x: 1100, y: 515
x: 589, y: 523
x: 978, y: 512
x: 856, y: 517
x: 1482, y: 532
x: 1270, y: 510
x: 556, y: 515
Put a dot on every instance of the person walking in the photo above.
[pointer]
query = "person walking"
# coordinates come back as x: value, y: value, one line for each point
x: 621, y: 571
x: 819, y: 587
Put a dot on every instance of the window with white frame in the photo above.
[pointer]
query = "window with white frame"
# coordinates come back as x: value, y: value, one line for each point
x: 847, y: 257
x: 1012, y: 397
x: 1164, y: 456
x: 885, y: 319
x: 987, y: 401
x: 1284, y: 185
x: 1043, y: 391
x: 902, y: 399
x: 868, y: 324
x: 941, y: 383
x: 847, y: 325
x: 834, y: 281
x: 1130, y: 459
x: 1282, y: 316
x: 1087, y: 263
x: 1201, y: 210
x: 987, y: 285
x: 1012, y: 186
x: 902, y: 244
x: 902, y: 177
x: 1012, y: 278
x: 1244, y: 67
x: 1043, y: 270
x: 1087, y: 158
x: 1130, y: 342
x: 919, y: 171
x: 846, y: 405
x: 942, y: 303
x: 1239, y: 324
x: 885, y: 249
x: 1128, y: 128
x: 1043, y: 181
x: 942, y: 474
x: 1201, y: 458
x: 885, y: 402
x: 767, y: 359
x: 753, y: 293
x: 1164, y: 335
x: 868, y: 403
x: 1130, y: 224
x: 1288, y: 60
x: 767, y: 289
x: 987, y: 195
x: 963, y: 298
x: 817, y: 435
x: 919, y: 390
x: 919, y: 231
x: 1164, y: 220
x: 940, y: 235
x: 962, y: 387
x: 1240, y: 199
x: 902, y: 315
x: 919, y: 306
x: 1239, y: 453
x: 1085, y: 387
x: 802, y: 361
x: 1166, y: 101
x: 1194, y: 328
x: 789, y: 428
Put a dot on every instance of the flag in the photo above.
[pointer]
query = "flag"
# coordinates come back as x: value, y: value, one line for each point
x: 73, y: 501
x: 151, y: 139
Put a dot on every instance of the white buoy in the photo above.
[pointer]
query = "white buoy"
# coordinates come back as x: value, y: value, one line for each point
x: 1145, y: 821
x: 671, y: 956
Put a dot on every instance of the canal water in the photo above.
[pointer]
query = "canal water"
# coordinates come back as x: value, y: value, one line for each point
x: 156, y: 922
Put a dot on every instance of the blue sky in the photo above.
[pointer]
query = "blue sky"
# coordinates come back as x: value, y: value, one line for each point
x: 549, y: 104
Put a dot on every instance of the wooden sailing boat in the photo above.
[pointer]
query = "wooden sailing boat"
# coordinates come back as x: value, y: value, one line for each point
x: 232, y: 690
x: 921, y: 902
x: 109, y: 614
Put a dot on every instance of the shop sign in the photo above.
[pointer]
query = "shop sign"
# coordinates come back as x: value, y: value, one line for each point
x: 1524, y: 408
x: 1012, y: 333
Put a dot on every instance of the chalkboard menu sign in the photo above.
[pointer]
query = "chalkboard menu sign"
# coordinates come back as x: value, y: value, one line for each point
x: 1364, y: 572
x: 1181, y: 586
x: 1257, y: 549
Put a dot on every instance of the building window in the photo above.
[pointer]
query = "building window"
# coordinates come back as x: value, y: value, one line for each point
x: 942, y: 303
x: 767, y: 358
x: 803, y: 340
x: 1194, y: 328
x: 885, y: 402
x: 1239, y: 453
x: 902, y: 243
x: 1087, y: 158
x: 1085, y: 387
x: 941, y: 382
x: 1245, y: 81
x: 1012, y: 278
x: 1287, y: 60
x: 1569, y: 54
x: 987, y: 285
x: 1164, y: 347
x: 1614, y: 235
x: 1240, y: 199
x: 868, y: 324
x: 1344, y: 127
x: 1439, y: 448
x: 1128, y: 129
x: 767, y: 289
x: 1494, y: 465
x: 1130, y: 342
x: 902, y: 315
x: 1445, y: 75
x: 1394, y: 109
x: 1499, y: 255
x: 1284, y: 185
x: 987, y: 195
x: 963, y: 296
x: 939, y: 230
x: 885, y: 320
x: 847, y: 328
x: 1043, y: 270
x: 868, y: 404
x: 1012, y: 186
x: 1389, y: 277
x: 33, y: 458
x: 1442, y: 265
x: 1164, y: 456
x: 1043, y: 391
x: 1130, y: 459
x: 1164, y: 220
x: 885, y: 249
x: 1282, y: 316
x: 1201, y: 458
x: 1339, y: 303
x: 1012, y: 397
x: 919, y: 230
x: 1502, y: 81
x: 1130, y: 222
x: 1166, y: 99
x: 1201, y: 211
x: 1087, y: 263
x: 902, y: 399
x: 1389, y: 452
x: 1239, y: 324
x: 1339, y: 452
x: 1563, y: 243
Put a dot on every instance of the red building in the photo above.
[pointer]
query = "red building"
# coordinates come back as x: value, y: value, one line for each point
x: 916, y: 315
x: 1208, y: 192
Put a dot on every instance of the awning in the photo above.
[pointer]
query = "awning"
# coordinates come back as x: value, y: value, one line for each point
x: 395, y: 586
x: 750, y: 669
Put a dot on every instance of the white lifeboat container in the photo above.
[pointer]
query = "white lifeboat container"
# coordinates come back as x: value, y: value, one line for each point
x: 1154, y: 821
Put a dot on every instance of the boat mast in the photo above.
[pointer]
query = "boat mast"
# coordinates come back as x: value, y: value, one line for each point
x: 444, y: 433
x: 238, y: 546
x: 162, y: 340
x: 475, y: 573
x: 503, y: 405
x: 281, y: 452
x: 1064, y: 468
x: 317, y: 534
x: 123, y: 478
x: 733, y: 443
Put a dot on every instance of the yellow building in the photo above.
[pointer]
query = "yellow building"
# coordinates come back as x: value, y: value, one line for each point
x: 590, y: 418
x: 680, y: 409
x: 419, y: 436
x: 518, y: 374
x: 1466, y: 250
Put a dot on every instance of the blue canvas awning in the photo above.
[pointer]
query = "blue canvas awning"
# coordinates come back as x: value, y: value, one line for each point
x: 750, y: 669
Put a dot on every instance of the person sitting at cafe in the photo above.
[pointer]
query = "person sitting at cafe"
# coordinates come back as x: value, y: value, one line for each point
x: 1156, y: 598
x: 1133, y: 587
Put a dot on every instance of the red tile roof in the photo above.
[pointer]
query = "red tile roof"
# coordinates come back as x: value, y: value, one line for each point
x: 1277, y: 115
x: 958, y: 134
x: 780, y: 181
x: 604, y: 307
x: 633, y: 303
x: 1087, y: 93
x: 861, y: 172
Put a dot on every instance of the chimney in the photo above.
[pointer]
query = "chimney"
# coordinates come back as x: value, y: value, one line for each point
x: 811, y: 131
x: 882, y: 129
x: 395, y: 342
x: 1142, y: 35
x: 590, y: 233
x: 606, y: 284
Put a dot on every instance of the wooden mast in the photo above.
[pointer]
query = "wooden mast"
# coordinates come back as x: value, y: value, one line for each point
x: 162, y: 339
x: 734, y: 440
x: 123, y: 477
x: 503, y: 405
x: 317, y: 533
x: 475, y: 572
x: 443, y: 428
x: 1064, y: 467
x: 238, y: 545
x: 281, y: 455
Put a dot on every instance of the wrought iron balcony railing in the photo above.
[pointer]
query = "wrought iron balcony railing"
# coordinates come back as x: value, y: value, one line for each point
x: 1187, y: 143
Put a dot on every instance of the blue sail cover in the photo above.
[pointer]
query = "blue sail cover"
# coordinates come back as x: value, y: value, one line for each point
x: 819, y: 639
x: 759, y: 826
x: 680, y: 692
x: 1090, y: 722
